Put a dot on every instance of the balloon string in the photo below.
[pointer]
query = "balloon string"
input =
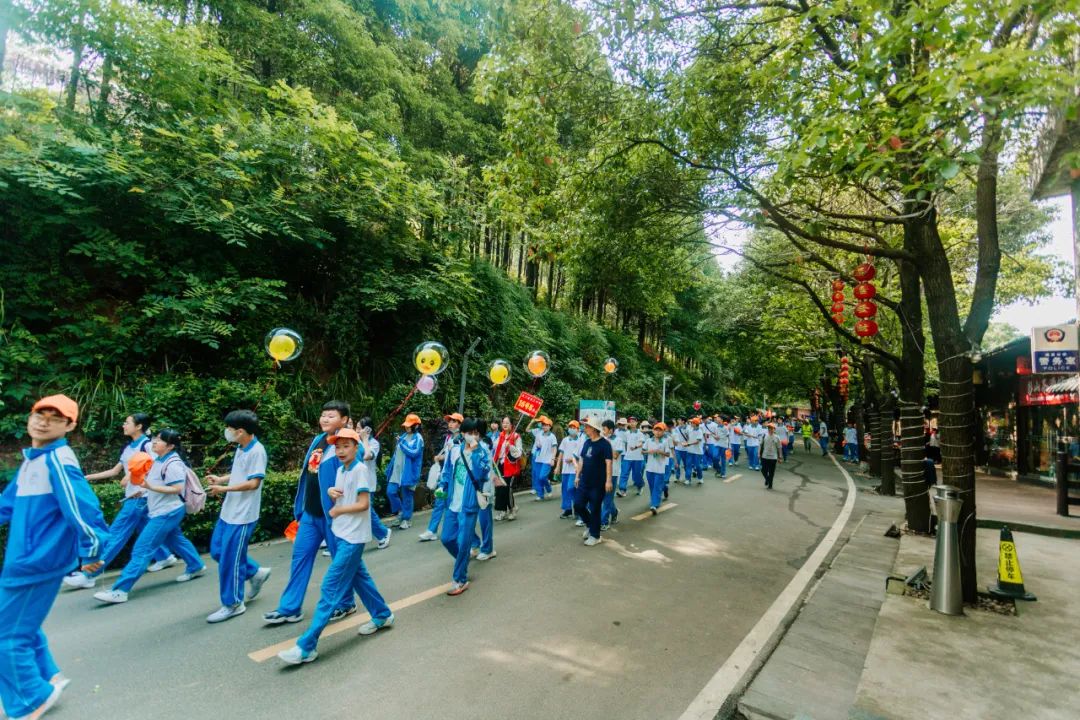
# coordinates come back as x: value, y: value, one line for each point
x: 385, y: 423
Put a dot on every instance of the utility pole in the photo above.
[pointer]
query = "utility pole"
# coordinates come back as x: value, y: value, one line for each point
x: 663, y: 399
x: 465, y: 375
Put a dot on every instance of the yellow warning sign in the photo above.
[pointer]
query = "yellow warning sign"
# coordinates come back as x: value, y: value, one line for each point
x: 1008, y: 565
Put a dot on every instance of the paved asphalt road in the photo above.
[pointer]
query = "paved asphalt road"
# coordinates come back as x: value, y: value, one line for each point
x: 632, y: 628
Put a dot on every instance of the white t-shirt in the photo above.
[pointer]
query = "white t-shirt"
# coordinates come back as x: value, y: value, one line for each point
x: 710, y: 433
x: 241, y: 508
x: 736, y: 433
x: 570, y: 449
x: 618, y: 443
x: 680, y: 436
x: 823, y: 430
x: 372, y: 464
x: 140, y: 445
x: 635, y: 442
x: 169, y: 470
x: 851, y: 436
x: 723, y: 435
x: 753, y: 434
x: 697, y: 441
x: 546, y: 442
x: 354, y: 528
x: 655, y: 463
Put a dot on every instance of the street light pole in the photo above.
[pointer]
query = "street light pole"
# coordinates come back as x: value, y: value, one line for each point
x: 465, y: 374
x: 663, y: 399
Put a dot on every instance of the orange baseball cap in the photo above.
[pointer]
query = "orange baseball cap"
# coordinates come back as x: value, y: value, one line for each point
x: 346, y: 433
x: 696, y: 421
x: 660, y: 426
x: 452, y: 416
x: 138, y: 465
x: 410, y: 420
x: 61, y: 404
x: 573, y: 424
x: 544, y: 420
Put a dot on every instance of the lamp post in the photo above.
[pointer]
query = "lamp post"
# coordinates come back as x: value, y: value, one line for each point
x: 663, y: 399
x: 465, y: 374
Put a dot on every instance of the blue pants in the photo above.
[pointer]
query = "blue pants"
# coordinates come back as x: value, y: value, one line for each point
x: 681, y: 463
x: 25, y: 661
x: 438, y: 508
x: 667, y: 471
x: 696, y: 464
x: 631, y: 469
x: 131, y: 519
x: 457, y: 537
x: 346, y: 574
x: 656, y: 488
x: 567, y: 492
x: 735, y: 452
x: 487, y: 530
x: 540, y: 474
x: 401, y: 499
x: 786, y: 448
x: 588, y: 505
x: 310, y: 535
x: 229, y: 547
x: 851, y: 452
x: 710, y: 456
x: 720, y: 465
x: 161, y: 529
x: 823, y: 441
x: 752, y: 460
x: 378, y: 530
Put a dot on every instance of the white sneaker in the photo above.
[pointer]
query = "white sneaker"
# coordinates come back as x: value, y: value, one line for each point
x: 512, y: 515
x: 501, y: 515
x: 326, y: 553
x: 54, y: 697
x: 79, y: 581
x: 427, y: 536
x: 579, y: 523
x: 590, y: 541
x: 373, y: 626
x: 474, y: 552
x: 261, y: 576
x: 185, y: 577
x: 60, y: 680
x: 162, y: 564
x: 585, y: 535
x: 405, y: 525
x: 486, y: 556
x: 111, y: 596
x: 296, y: 656
x: 385, y: 542
x: 224, y: 613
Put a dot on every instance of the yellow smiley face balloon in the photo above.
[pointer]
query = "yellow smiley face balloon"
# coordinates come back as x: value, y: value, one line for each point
x: 283, y: 344
x: 430, y: 358
x: 499, y: 372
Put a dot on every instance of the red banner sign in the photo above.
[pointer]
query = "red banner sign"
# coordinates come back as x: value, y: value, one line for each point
x: 528, y: 404
x: 1035, y: 390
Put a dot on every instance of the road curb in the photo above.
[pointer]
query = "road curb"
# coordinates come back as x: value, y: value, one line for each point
x: 994, y: 524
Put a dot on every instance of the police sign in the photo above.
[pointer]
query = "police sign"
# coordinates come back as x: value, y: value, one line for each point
x: 1055, y: 349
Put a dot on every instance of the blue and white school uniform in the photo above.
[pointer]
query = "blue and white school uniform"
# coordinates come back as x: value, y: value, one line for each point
x: 403, y: 473
x: 695, y: 452
x: 655, y: 466
x: 752, y: 434
x: 633, y: 460
x: 165, y: 512
x: 236, y: 524
x: 681, y: 436
x: 347, y: 573
x: 712, y: 455
x: 544, y: 444
x: 669, y: 443
x: 570, y: 449
x: 723, y: 442
x: 459, y: 527
x: 609, y: 513
x: 736, y: 441
x: 851, y: 444
x: 439, y: 506
x: 378, y: 529
x: 314, y: 527
x: 55, y: 523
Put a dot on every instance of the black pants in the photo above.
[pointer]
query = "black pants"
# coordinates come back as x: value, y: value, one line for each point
x: 587, y: 503
x: 768, y: 469
x: 504, y: 496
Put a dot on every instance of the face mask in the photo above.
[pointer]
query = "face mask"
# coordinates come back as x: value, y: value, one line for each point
x: 573, y: 432
x: 230, y: 436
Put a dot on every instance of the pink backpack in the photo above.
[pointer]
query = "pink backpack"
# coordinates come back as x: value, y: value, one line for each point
x: 193, y: 495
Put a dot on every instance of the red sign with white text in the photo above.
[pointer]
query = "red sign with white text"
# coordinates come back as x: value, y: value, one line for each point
x: 528, y: 404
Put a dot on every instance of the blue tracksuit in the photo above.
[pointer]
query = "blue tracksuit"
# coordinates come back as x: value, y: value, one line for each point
x: 403, y: 473
x: 459, y: 529
x: 55, y: 522
x: 312, y: 532
x: 438, y: 508
x: 346, y: 575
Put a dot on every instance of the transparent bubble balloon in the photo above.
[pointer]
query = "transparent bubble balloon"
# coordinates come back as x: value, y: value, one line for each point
x: 611, y: 365
x: 427, y: 384
x: 499, y: 372
x: 538, y: 363
x: 430, y: 358
x: 283, y: 344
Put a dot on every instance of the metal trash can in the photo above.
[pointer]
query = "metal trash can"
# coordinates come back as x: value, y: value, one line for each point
x: 946, y: 596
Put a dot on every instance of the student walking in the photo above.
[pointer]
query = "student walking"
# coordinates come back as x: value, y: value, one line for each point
x: 736, y: 429
x: 544, y: 445
x: 566, y: 466
x: 54, y: 522
x: 770, y: 455
x: 594, y: 480
x: 723, y: 447
x: 695, y: 450
x: 369, y: 447
x: 438, y: 507
x: 403, y: 472
x: 633, y: 458
x: 752, y: 434
x: 164, y: 484
x: 656, y: 463
x: 682, y: 443
x: 242, y: 489
x: 823, y: 438
x: 311, y: 508
x: 609, y: 513
x: 464, y: 486
x: 851, y: 443
x: 133, y: 516
x: 508, y: 453
x: 350, y: 524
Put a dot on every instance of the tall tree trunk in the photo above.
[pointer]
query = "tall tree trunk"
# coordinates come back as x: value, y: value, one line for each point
x: 912, y: 387
x: 77, y: 48
x: 641, y: 330
x: 551, y: 284
x: 957, y: 407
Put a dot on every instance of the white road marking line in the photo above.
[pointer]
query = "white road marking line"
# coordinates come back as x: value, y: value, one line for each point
x: 648, y: 513
x: 730, y: 675
x: 733, y: 478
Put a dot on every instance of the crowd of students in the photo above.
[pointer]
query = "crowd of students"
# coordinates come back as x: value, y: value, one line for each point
x: 56, y: 523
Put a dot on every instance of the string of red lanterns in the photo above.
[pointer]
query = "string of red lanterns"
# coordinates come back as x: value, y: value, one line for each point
x: 866, y: 328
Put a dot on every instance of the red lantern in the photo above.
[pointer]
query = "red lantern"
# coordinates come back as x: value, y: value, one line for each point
x: 865, y: 291
x: 866, y: 309
x: 844, y: 374
x: 838, y: 318
x: 837, y: 307
x: 865, y: 272
x: 838, y: 296
x: 838, y: 285
x: 866, y: 329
